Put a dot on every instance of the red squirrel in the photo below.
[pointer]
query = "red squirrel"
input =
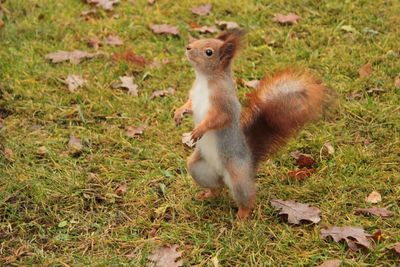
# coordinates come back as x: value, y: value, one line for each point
x: 230, y: 142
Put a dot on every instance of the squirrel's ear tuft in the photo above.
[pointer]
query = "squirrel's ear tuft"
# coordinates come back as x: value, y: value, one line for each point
x: 233, y: 40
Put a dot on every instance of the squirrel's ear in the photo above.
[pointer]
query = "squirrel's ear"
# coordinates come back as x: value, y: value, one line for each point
x: 232, y: 43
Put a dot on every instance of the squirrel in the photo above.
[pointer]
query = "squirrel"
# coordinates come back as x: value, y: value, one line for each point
x: 231, y: 143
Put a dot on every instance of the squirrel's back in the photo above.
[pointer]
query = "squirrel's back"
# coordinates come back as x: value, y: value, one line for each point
x: 278, y: 108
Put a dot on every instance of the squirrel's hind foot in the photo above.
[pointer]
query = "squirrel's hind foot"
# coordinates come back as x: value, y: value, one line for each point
x: 244, y: 213
x: 208, y: 193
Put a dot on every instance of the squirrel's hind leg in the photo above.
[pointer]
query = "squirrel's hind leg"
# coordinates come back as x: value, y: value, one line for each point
x: 204, y: 175
x: 238, y: 177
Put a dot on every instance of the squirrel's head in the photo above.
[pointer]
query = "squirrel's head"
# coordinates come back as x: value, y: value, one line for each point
x: 209, y: 56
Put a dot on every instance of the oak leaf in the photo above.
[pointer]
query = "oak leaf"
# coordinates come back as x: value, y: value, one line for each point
x: 166, y: 256
x: 164, y: 29
x: 297, y: 212
x: 382, y: 212
x: 352, y: 236
x: 127, y: 82
x: 301, y: 174
x: 396, y: 248
x: 290, y: 18
x: 202, y: 10
x: 75, y: 57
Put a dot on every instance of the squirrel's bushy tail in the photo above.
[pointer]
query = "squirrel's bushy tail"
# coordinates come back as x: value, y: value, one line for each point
x: 278, y: 108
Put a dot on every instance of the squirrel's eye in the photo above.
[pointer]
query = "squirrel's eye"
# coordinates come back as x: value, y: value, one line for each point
x: 209, y: 52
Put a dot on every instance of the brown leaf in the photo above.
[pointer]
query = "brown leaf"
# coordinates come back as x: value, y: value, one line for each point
x: 74, y: 82
x: 164, y: 29
x: 187, y: 140
x: 301, y: 174
x: 75, y: 144
x: 330, y: 263
x: 131, y: 57
x: 289, y: 19
x: 127, y: 82
x: 75, y: 57
x: 252, y: 83
x: 151, y: 2
x: 94, y: 43
x: 377, y: 236
x: 304, y: 160
x: 162, y: 93
x: 365, y: 70
x: 131, y: 255
x: 352, y: 236
x: 374, y: 197
x: 328, y: 147
x: 382, y: 212
x: 105, y: 4
x: 157, y: 63
x: 202, y: 10
x: 1, y: 23
x: 166, y: 256
x: 397, y: 82
x: 134, y: 132
x: 8, y: 154
x: 113, y: 40
x: 207, y: 29
x: 227, y: 25
x: 41, y: 151
x: 396, y: 248
x: 297, y: 212
x: 121, y: 189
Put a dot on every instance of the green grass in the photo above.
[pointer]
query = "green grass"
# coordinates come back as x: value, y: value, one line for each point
x: 37, y: 193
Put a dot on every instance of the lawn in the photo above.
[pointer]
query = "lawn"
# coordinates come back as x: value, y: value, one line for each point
x: 120, y: 197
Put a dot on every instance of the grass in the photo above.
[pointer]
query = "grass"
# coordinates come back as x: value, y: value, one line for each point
x: 60, y: 210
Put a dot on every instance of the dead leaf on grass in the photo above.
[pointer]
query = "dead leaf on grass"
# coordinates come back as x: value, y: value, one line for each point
x: 113, y: 40
x: 396, y: 248
x: 397, y: 82
x: 105, y: 4
x: 41, y: 151
x: 74, y: 82
x: 202, y: 10
x: 302, y: 160
x: 297, y: 212
x: 187, y: 140
x: 382, y: 212
x: 206, y: 29
x: 8, y: 154
x: 130, y: 57
x: 331, y: 263
x: 94, y: 43
x: 162, y: 93
x: 166, y: 256
x: 328, y: 148
x: 127, y: 82
x: 75, y: 144
x: 288, y: 19
x: 301, y: 174
x: 365, y: 70
x: 227, y: 25
x: 164, y: 29
x: 134, y: 132
x: 75, y: 57
x: 374, y: 197
x: 352, y: 236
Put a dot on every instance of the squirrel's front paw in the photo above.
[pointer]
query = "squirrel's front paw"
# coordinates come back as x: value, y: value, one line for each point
x: 197, y: 133
x: 178, y: 116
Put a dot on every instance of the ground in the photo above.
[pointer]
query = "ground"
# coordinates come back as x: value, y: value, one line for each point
x: 60, y: 209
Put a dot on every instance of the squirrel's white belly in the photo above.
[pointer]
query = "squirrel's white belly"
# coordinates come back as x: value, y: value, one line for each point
x: 200, y: 105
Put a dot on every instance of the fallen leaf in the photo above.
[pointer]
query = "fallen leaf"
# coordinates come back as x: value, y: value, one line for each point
x: 396, y: 248
x: 252, y: 83
x: 397, y: 82
x: 164, y: 29
x: 202, y: 10
x: 297, y: 212
x: 74, y: 82
x: 94, y: 43
x: 352, y: 236
x: 207, y: 29
x: 75, y: 144
x: 377, y: 236
x: 113, y: 40
x: 131, y: 57
x: 354, y: 96
x: 162, y: 93
x: 8, y: 154
x: 382, y: 212
x: 157, y: 63
x: 301, y: 174
x: 127, y: 82
x: 328, y: 147
x: 121, y: 189
x: 330, y: 263
x: 134, y: 132
x: 374, y: 197
x: 166, y: 256
x: 87, y: 13
x: 105, y: 4
x: 187, y: 140
x: 290, y: 18
x: 365, y: 70
x: 41, y: 151
x: 75, y: 57
x: 227, y: 25
x: 305, y: 160
x: 348, y: 28
x: 131, y: 255
x: 151, y: 2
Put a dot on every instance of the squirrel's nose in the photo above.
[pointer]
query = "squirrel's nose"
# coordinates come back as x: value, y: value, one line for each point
x: 188, y: 47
